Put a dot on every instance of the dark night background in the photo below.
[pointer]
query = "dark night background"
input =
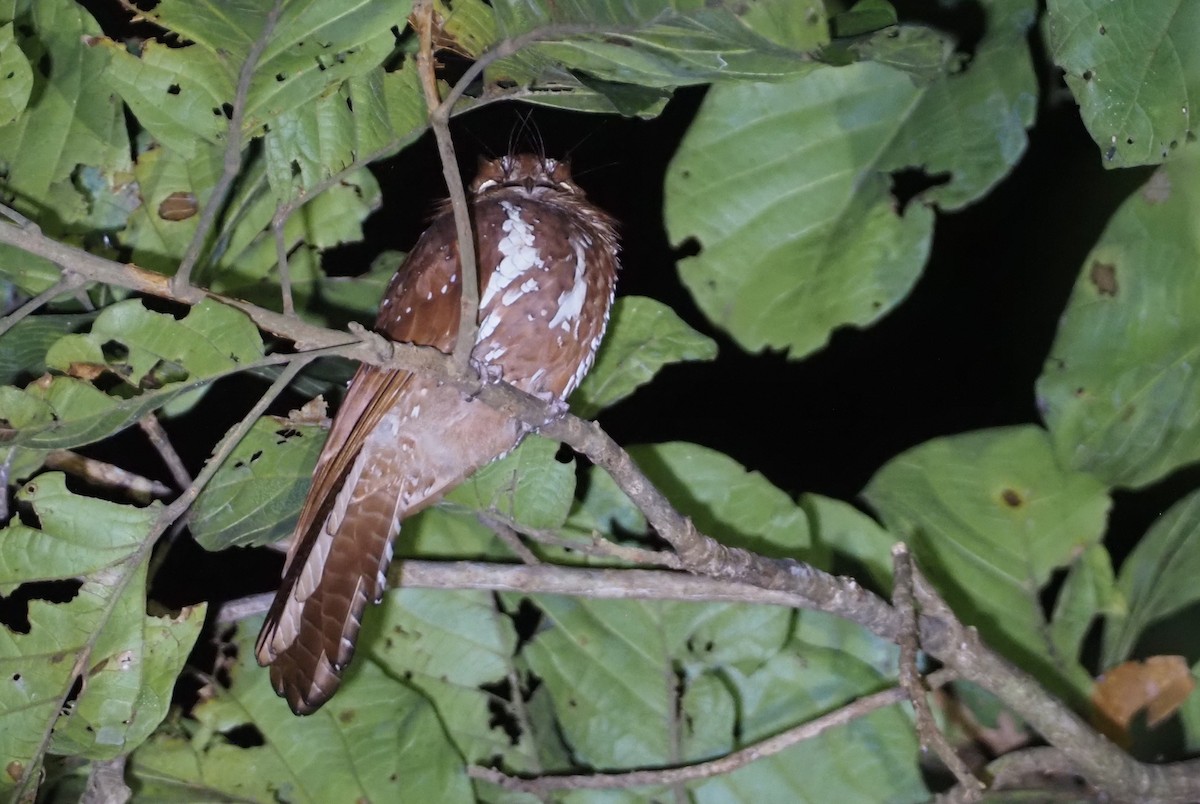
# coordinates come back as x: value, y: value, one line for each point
x: 961, y: 353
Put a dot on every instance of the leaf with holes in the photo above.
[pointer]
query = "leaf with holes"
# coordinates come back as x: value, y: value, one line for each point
x: 528, y: 485
x: 255, y: 497
x: 1134, y: 69
x: 1119, y: 391
x: 131, y: 659
x: 454, y: 647
x: 377, y: 740
x: 644, y: 335
x: 828, y: 663
x: 810, y: 237
x: 990, y: 516
x: 185, y: 94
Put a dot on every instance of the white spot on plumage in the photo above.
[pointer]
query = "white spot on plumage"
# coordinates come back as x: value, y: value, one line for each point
x: 445, y: 288
x: 453, y: 278
x: 520, y: 254
x: 570, y: 302
x: 429, y: 296
x: 416, y: 411
x: 488, y: 325
x: 495, y: 353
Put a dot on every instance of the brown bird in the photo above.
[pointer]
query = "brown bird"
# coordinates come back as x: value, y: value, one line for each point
x: 547, y: 266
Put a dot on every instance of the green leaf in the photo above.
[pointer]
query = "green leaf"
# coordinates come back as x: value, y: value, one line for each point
x: 375, y: 740
x: 164, y: 362
x: 1089, y: 590
x: 644, y: 335
x: 735, y: 507
x: 990, y: 516
x: 810, y: 239
x: 75, y: 536
x: 1157, y: 579
x: 863, y: 17
x: 130, y: 659
x: 827, y: 664
x: 23, y: 348
x: 367, y: 115
x: 18, y: 77
x: 528, y: 485
x: 1118, y: 392
x: 1134, y: 69
x: 842, y: 533
x: 452, y: 646
x: 643, y: 43
x: 159, y: 349
x: 602, y: 659
x: 255, y: 497
x: 183, y: 93
x: 70, y: 120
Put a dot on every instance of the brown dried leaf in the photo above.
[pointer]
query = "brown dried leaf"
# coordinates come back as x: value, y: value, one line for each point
x: 1159, y: 685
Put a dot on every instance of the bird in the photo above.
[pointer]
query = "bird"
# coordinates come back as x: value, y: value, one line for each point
x: 547, y: 266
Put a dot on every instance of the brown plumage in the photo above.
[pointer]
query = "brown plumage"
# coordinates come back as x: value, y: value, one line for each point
x: 547, y: 265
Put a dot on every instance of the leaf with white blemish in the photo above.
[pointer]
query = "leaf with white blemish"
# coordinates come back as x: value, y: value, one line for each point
x: 644, y: 335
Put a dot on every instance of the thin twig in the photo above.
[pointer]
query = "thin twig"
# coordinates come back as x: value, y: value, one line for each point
x: 910, y: 678
x: 232, y: 162
x: 439, y: 121
x: 99, y: 473
x: 166, y: 450
x: 172, y: 512
x: 705, y: 770
x: 67, y: 284
x: 509, y: 536
x: 278, y: 222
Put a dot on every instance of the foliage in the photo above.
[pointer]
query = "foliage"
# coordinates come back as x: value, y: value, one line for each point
x: 785, y: 187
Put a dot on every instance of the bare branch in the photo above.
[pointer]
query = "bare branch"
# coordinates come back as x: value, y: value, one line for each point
x: 439, y: 121
x: 165, y: 449
x: 141, y: 489
x: 281, y: 260
x: 704, y: 770
x: 911, y: 681
x: 233, y: 152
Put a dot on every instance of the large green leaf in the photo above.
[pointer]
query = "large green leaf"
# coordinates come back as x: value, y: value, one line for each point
x: 732, y: 675
x: 70, y: 119
x: 652, y: 44
x: 1119, y: 392
x: 65, y: 153
x: 602, y: 660
x: 644, y: 335
x: 255, y: 497
x: 809, y: 237
x: 453, y: 646
x: 734, y: 506
x: 528, y: 485
x: 182, y: 94
x: 375, y: 740
x: 131, y: 658
x: 1158, y: 578
x: 1134, y: 68
x: 162, y: 362
x: 990, y: 516
x: 827, y: 663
